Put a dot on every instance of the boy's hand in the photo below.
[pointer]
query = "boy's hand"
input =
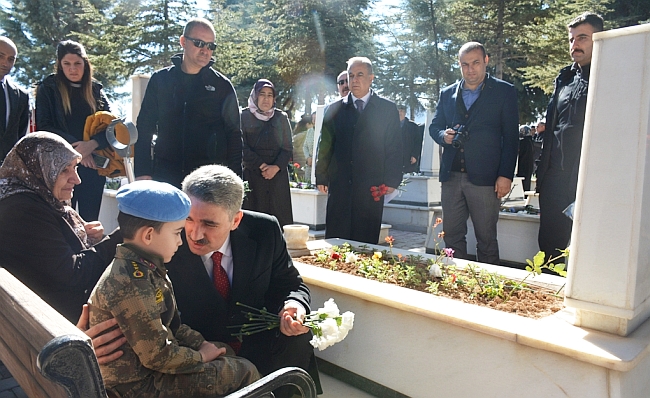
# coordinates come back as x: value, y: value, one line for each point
x: 210, y: 352
x: 104, y: 344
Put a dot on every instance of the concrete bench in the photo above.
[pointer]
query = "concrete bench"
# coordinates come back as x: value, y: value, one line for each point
x: 49, y: 357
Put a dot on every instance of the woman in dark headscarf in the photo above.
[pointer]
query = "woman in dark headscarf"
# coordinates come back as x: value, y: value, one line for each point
x: 43, y: 241
x: 63, y: 102
x: 267, y: 151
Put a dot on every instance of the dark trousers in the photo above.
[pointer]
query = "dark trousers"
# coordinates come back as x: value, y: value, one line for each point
x: 460, y: 200
x: 555, y: 227
x: 272, y: 350
x: 88, y: 194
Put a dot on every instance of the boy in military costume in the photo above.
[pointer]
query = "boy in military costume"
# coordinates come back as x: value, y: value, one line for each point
x: 162, y: 357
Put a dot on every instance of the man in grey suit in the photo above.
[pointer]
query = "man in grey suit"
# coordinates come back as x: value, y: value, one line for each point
x: 14, y: 101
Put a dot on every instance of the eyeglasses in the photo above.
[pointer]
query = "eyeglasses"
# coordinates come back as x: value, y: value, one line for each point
x: 200, y: 43
x: 342, y: 82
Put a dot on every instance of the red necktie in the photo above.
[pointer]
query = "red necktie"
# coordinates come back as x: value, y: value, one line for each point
x: 219, y: 276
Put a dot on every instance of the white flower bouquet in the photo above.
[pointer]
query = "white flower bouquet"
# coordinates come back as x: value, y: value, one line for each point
x: 328, y: 325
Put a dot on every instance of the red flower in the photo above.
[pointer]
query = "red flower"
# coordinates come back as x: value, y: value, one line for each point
x: 389, y: 240
x: 296, y: 165
x: 453, y: 278
x: 376, y: 199
x: 335, y: 256
x: 378, y: 192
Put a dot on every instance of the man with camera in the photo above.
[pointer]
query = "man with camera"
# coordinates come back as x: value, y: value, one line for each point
x: 477, y: 124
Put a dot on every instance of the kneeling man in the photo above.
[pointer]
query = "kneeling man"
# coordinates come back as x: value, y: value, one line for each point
x: 232, y: 256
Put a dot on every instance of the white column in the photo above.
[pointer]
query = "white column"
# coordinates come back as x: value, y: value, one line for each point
x: 609, y: 266
x: 138, y: 87
x: 430, y: 161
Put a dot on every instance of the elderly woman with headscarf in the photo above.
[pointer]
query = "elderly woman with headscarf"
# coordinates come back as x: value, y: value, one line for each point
x: 43, y: 241
x: 267, y: 151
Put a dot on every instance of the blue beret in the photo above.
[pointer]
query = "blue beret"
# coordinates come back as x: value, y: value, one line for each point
x: 153, y: 200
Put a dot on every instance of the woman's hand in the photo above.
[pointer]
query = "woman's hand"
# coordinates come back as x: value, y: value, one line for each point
x: 104, y: 344
x: 86, y: 148
x: 270, y: 171
x: 94, y: 230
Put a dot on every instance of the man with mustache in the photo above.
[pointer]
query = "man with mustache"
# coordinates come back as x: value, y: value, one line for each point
x: 14, y: 101
x: 232, y: 256
x: 192, y: 109
x: 557, y: 175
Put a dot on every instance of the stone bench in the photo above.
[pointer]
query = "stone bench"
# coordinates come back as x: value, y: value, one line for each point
x: 49, y: 357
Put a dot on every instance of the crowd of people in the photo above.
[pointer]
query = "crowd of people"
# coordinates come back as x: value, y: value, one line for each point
x: 195, y: 225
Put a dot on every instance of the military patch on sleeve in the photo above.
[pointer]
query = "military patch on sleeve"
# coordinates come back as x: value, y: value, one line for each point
x: 159, y: 296
x: 137, y: 273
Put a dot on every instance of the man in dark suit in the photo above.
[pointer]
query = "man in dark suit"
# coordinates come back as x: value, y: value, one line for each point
x: 476, y: 122
x: 360, y: 148
x: 14, y: 101
x: 232, y: 256
x: 412, y: 133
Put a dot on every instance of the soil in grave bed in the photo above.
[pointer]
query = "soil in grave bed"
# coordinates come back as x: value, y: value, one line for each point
x: 458, y: 284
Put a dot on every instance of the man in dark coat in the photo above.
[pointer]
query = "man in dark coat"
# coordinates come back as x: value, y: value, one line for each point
x: 360, y: 148
x: 557, y: 175
x: 476, y: 170
x: 247, y: 248
x: 526, y: 159
x: 412, y: 134
x: 192, y: 109
x: 14, y: 101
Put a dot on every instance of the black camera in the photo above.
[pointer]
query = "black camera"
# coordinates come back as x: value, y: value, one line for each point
x: 462, y: 135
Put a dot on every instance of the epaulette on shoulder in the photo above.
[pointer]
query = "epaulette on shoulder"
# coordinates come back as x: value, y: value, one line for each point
x: 137, y: 271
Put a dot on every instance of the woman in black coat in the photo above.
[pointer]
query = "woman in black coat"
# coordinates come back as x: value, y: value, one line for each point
x: 43, y: 241
x: 268, y: 148
x: 63, y: 102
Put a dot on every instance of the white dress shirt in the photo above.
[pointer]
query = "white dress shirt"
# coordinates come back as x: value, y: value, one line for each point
x: 226, y: 260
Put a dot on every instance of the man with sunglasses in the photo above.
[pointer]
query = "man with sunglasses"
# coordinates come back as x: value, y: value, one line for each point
x: 342, y: 84
x: 193, y: 111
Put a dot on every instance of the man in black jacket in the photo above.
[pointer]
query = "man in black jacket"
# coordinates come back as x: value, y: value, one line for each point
x: 557, y: 175
x: 192, y: 109
x: 14, y: 101
x: 360, y: 152
x: 412, y: 133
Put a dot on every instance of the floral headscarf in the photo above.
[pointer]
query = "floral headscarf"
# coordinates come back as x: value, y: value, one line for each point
x: 33, y: 165
x: 252, y: 100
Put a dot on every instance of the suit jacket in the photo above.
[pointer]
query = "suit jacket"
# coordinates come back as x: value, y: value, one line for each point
x: 263, y: 276
x: 356, y: 152
x: 493, y: 127
x: 18, y: 118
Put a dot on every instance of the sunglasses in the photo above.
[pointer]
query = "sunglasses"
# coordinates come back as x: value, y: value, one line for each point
x: 342, y: 82
x: 200, y: 43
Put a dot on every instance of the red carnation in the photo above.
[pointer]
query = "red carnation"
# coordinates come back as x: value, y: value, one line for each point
x: 296, y: 165
x: 335, y: 256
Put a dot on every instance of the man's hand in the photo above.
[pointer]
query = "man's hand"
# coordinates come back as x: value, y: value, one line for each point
x: 308, y: 160
x: 502, y: 186
x: 449, y: 136
x: 390, y: 190
x: 94, y: 230
x: 104, y: 344
x: 210, y: 352
x: 322, y: 188
x: 291, y: 318
x: 413, y: 160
